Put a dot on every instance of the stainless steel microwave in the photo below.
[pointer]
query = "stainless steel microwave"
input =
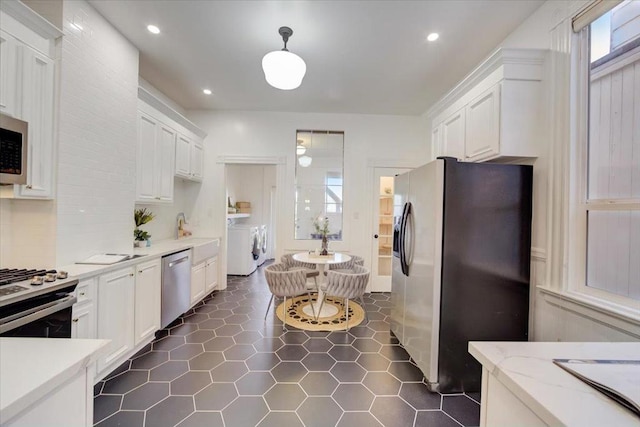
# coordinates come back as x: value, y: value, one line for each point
x: 14, y: 137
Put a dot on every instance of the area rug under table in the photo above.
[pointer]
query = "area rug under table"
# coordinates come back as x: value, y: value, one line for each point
x: 297, y: 318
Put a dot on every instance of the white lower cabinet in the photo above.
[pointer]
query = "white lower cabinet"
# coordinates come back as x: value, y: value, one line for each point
x: 83, y: 313
x: 211, y: 274
x: 116, y: 298
x: 147, y: 300
x: 198, y: 280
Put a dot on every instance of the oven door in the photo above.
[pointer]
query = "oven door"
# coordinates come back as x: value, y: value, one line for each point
x: 44, y: 316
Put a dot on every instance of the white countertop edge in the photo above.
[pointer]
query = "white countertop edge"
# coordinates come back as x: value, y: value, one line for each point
x: 13, y: 405
x: 156, y: 250
x: 492, y: 358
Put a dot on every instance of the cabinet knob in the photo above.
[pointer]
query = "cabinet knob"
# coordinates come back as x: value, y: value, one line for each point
x: 139, y: 271
x: 29, y: 186
x: 74, y: 320
x: 375, y: 236
x: 157, y: 198
x: 82, y: 294
x: 131, y: 274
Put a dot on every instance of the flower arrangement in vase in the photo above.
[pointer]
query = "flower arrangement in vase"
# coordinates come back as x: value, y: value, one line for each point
x: 322, y: 228
x: 141, y: 217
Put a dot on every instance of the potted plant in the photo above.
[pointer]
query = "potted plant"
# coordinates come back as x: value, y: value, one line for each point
x: 141, y: 217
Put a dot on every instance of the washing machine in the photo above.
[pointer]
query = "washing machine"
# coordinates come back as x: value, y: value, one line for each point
x: 263, y: 244
x: 243, y: 249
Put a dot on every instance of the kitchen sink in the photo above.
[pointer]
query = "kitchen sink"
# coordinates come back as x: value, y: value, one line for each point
x: 203, y: 248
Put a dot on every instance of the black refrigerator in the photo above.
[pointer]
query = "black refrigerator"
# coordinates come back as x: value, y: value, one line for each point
x: 461, y: 262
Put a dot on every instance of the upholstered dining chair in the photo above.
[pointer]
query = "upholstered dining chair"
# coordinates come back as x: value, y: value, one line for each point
x: 347, y: 266
x: 347, y: 285
x: 286, y: 283
x: 308, y: 268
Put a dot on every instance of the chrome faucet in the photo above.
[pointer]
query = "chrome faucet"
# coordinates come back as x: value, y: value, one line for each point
x: 180, y: 221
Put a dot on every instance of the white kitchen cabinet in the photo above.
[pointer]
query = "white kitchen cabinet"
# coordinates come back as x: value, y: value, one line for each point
x: 147, y: 300
x: 9, y: 75
x: 198, y: 282
x: 211, y: 275
x: 37, y: 110
x: 453, y: 131
x: 183, y: 156
x: 197, y: 161
x: 83, y: 313
x: 116, y: 305
x: 189, y: 158
x: 496, y: 112
x: 483, y: 126
x: 436, y: 141
x: 155, y: 160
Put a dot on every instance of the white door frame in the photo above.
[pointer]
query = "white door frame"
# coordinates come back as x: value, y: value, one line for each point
x: 372, y: 165
x: 281, y: 171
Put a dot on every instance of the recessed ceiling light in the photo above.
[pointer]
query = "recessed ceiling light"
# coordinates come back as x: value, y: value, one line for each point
x: 153, y: 29
x: 206, y: 91
x: 433, y: 37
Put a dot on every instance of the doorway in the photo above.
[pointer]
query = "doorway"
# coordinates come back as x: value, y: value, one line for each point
x: 384, y: 209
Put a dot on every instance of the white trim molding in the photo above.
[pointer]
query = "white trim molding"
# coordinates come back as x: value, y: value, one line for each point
x: 158, y: 104
x: 611, y: 315
x: 252, y: 160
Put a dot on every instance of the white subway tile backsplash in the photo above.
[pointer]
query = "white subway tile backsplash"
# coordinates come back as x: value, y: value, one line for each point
x: 96, y: 170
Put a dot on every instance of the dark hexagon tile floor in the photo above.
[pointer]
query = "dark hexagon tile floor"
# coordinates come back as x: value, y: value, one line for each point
x: 221, y: 364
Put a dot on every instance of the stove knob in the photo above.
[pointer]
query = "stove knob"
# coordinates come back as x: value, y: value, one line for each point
x: 37, y: 280
x: 62, y: 274
x: 50, y: 277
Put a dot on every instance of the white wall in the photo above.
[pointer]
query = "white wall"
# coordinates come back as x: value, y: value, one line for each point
x: 556, y: 318
x: 97, y: 137
x: 269, y: 135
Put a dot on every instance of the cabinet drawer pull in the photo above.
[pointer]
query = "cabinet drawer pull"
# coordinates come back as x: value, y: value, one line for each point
x: 74, y: 320
x: 82, y: 294
x: 29, y: 187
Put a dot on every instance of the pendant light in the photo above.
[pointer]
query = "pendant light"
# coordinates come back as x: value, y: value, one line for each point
x: 305, y: 161
x: 283, y: 69
x: 300, y: 148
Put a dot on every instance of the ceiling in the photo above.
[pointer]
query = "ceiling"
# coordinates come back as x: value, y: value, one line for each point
x: 368, y: 57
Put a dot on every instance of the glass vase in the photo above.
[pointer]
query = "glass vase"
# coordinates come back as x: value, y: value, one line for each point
x: 325, y: 246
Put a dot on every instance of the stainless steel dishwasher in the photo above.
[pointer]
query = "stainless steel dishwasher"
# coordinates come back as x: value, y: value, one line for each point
x: 176, y: 285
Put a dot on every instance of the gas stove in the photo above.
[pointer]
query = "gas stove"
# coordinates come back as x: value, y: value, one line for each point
x: 19, y: 284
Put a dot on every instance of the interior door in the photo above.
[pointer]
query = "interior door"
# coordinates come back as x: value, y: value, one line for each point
x: 384, y: 207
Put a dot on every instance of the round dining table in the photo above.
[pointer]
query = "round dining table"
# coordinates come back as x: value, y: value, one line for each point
x: 321, y: 261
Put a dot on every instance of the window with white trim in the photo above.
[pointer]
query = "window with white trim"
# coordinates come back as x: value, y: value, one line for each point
x: 606, y: 172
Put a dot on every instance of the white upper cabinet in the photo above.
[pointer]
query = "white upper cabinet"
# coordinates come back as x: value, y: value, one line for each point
x: 27, y: 88
x: 495, y: 113
x: 179, y: 149
x: 183, y: 156
x: 156, y: 145
x: 453, y: 129
x: 483, y: 126
x: 189, y: 158
x: 9, y: 75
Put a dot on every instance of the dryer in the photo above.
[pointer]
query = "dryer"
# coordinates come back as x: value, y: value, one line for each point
x: 243, y: 249
x: 263, y: 244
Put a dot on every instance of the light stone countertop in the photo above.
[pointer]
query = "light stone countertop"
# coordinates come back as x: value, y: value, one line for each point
x: 554, y: 395
x: 31, y: 368
x: 156, y: 250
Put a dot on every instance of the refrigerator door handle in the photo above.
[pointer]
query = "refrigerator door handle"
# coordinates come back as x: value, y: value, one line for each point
x: 409, y: 238
x: 403, y: 231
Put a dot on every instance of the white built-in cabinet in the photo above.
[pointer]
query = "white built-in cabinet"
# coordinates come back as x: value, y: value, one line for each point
x: 189, y: 158
x: 155, y: 160
x: 198, y: 279
x: 147, y: 300
x: 496, y: 113
x: 116, y: 305
x: 211, y: 275
x: 27, y: 88
x: 169, y: 146
x: 204, y: 279
x: 83, y: 312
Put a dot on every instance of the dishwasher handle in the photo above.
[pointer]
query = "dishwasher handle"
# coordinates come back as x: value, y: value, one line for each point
x: 181, y: 260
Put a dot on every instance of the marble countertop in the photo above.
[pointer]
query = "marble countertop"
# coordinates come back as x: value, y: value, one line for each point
x: 156, y: 250
x: 33, y: 367
x: 556, y: 396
